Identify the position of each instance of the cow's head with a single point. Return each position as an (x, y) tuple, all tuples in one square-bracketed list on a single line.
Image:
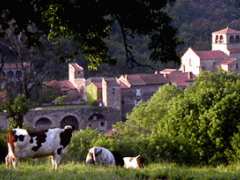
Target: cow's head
[(140, 161), (92, 155), (66, 135), (21, 137)]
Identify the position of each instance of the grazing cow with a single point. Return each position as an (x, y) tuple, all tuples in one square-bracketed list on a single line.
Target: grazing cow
[(100, 155), (51, 142), (134, 162)]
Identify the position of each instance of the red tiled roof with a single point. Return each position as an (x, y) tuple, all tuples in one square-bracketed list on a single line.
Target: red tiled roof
[(76, 66), (3, 96), (64, 85), (227, 30), (234, 50), (145, 79), (209, 55), (227, 61), (112, 81), (180, 78), (15, 65)]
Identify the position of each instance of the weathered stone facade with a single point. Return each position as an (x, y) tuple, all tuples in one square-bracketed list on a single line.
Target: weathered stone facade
[(80, 117), (3, 121)]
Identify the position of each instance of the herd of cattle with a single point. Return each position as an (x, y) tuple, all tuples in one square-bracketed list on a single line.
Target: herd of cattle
[(53, 142)]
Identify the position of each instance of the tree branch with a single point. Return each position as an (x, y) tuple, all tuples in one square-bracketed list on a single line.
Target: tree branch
[(131, 61)]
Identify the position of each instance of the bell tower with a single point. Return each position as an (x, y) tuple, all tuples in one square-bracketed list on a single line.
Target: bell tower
[(226, 40)]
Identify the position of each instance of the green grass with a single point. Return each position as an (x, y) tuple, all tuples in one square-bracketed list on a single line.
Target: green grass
[(68, 171)]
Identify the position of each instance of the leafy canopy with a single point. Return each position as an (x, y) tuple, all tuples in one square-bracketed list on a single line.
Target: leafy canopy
[(90, 22)]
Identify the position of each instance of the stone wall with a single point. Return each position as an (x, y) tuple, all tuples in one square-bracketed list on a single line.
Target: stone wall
[(3, 121), (80, 117)]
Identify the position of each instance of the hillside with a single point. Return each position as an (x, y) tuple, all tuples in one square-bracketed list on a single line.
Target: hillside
[(197, 19)]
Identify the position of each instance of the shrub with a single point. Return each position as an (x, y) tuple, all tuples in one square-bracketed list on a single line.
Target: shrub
[(3, 146), (80, 143)]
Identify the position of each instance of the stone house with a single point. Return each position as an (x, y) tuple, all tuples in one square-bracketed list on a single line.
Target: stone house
[(225, 54)]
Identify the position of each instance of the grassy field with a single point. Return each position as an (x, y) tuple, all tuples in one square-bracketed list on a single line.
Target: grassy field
[(78, 171)]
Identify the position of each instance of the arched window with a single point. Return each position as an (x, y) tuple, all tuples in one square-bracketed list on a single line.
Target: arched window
[(216, 39), (70, 120), (10, 74), (221, 38), (19, 74), (231, 39), (237, 39), (43, 123)]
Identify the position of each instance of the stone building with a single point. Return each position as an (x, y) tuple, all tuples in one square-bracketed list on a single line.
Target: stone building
[(225, 54)]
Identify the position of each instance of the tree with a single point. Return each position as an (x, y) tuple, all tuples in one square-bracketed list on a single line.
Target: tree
[(16, 108), (90, 22)]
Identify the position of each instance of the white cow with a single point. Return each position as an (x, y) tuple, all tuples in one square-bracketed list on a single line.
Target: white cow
[(101, 156), (51, 142), (134, 162)]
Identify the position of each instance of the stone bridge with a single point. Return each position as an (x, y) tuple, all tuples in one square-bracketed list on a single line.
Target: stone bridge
[(80, 117)]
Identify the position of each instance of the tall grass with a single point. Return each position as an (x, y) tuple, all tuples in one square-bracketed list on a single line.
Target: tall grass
[(42, 170)]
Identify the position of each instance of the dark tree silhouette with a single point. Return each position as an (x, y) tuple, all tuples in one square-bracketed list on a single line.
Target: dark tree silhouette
[(90, 22)]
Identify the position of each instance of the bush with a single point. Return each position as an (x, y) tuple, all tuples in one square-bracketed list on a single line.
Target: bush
[(80, 143), (3, 146)]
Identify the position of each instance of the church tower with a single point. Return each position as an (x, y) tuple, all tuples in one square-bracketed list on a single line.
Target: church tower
[(226, 40)]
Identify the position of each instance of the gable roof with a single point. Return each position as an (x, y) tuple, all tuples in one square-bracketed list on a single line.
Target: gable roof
[(210, 55), (227, 30), (143, 79)]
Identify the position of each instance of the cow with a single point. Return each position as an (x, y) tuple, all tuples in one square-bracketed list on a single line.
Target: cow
[(100, 156), (23, 144), (134, 162)]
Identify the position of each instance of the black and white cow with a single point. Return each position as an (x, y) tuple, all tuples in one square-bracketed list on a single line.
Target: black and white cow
[(51, 142), (100, 155)]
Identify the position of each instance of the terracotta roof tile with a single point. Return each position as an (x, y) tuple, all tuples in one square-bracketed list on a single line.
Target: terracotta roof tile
[(15, 65), (227, 30), (144, 79), (234, 50), (227, 61), (179, 78), (209, 55)]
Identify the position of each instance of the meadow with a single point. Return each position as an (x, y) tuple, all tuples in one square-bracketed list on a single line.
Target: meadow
[(70, 170)]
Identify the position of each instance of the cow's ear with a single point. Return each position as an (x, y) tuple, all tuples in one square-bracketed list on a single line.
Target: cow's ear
[(98, 151)]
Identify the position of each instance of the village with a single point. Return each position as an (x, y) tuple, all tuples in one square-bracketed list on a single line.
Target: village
[(111, 98)]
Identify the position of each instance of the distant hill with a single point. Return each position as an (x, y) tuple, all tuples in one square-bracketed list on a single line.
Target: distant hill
[(197, 19)]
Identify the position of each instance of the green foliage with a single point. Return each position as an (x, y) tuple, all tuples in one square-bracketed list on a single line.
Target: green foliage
[(206, 115), (58, 19), (196, 20), (16, 109), (80, 143), (200, 124), (3, 146), (92, 94)]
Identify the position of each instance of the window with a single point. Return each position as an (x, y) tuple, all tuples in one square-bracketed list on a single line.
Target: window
[(113, 90), (102, 123), (231, 39), (10, 74), (236, 65), (216, 39), (18, 74), (237, 38), (138, 92), (221, 39)]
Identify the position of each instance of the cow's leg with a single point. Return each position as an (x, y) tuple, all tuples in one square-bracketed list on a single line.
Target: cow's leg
[(7, 161), (56, 160), (14, 162)]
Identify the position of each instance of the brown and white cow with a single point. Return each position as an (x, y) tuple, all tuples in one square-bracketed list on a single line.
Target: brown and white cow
[(134, 162), (51, 142), (100, 156)]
